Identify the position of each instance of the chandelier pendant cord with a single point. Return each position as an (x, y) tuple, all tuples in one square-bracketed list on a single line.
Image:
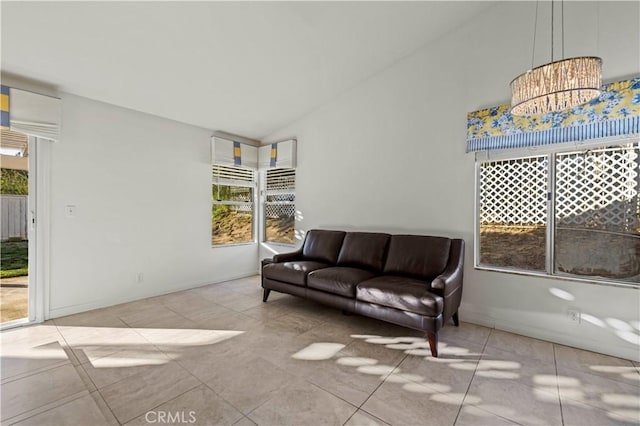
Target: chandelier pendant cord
[(562, 26), (535, 31), (552, 37)]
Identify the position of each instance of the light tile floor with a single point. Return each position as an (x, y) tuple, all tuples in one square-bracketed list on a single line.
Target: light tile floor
[(218, 355)]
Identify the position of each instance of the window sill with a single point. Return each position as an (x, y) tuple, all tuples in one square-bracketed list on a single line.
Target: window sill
[(233, 245), (272, 243), (595, 281)]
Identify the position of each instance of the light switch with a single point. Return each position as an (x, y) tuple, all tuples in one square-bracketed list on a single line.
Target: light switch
[(70, 211)]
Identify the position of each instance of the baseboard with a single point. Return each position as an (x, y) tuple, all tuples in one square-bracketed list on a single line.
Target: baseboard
[(468, 315), (76, 309), (496, 319)]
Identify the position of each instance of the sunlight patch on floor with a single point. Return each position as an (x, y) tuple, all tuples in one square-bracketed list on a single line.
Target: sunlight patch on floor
[(508, 375), (356, 361), (134, 360), (625, 415), (186, 337), (376, 370), (48, 351), (318, 351)]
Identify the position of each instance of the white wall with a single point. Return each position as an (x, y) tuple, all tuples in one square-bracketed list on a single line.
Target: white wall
[(390, 155), (142, 191)]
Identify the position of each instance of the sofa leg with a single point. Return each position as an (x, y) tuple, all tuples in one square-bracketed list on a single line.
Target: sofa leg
[(433, 344), (456, 320), (265, 295)]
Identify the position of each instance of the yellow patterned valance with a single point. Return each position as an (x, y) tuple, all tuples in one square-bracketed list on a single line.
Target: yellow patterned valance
[(616, 112)]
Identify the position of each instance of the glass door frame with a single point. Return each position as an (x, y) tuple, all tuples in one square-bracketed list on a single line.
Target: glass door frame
[(38, 225)]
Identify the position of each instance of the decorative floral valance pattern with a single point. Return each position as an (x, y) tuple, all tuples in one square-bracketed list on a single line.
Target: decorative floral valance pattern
[(616, 112)]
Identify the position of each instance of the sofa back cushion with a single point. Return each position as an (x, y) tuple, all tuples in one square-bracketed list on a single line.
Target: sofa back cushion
[(322, 246), (365, 250), (417, 256)]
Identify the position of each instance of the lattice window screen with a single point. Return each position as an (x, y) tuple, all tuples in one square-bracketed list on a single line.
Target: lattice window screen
[(514, 192), (280, 194), (599, 188)]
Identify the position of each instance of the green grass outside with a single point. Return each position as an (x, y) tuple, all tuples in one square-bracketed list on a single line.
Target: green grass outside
[(14, 258), (14, 273)]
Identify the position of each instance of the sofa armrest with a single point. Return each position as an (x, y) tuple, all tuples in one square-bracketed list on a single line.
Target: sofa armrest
[(288, 257), (451, 278)]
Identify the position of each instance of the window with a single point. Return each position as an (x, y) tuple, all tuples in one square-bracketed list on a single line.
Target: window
[(565, 213), (279, 206), (513, 213), (232, 210)]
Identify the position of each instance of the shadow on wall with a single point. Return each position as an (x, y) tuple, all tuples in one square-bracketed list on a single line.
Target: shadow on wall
[(627, 331)]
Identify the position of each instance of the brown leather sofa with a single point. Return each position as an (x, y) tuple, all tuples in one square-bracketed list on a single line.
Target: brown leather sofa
[(410, 280)]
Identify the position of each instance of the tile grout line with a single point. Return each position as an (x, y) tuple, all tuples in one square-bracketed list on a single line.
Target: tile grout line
[(486, 344), (574, 369), (615, 378), (170, 360), (369, 414), (105, 404), (358, 408), (21, 417), (35, 371), (228, 402), (6, 380), (156, 406), (381, 382), (474, 374), (80, 364), (99, 393), (329, 392), (555, 364), (66, 344), (208, 387), (265, 402), (197, 378), (332, 394), (179, 366), (88, 376), (472, 377)]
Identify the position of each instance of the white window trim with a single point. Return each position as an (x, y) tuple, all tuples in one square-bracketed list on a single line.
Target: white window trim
[(549, 151), (244, 184), (263, 203)]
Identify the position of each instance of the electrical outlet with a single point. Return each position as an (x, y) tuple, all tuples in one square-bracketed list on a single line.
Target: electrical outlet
[(70, 211), (139, 277), (574, 315)]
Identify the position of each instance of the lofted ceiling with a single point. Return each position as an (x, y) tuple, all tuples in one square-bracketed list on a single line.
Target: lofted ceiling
[(247, 68)]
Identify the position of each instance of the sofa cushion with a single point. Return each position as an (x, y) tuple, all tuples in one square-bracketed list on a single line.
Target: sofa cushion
[(338, 280), (291, 272), (364, 250), (323, 246), (417, 256), (402, 293)]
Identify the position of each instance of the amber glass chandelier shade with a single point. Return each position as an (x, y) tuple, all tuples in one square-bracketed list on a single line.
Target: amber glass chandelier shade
[(556, 86)]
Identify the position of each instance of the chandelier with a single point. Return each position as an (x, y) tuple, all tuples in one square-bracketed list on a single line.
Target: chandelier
[(558, 85)]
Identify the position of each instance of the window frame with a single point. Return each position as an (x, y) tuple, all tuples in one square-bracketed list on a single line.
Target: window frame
[(263, 207), (253, 184), (550, 152)]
